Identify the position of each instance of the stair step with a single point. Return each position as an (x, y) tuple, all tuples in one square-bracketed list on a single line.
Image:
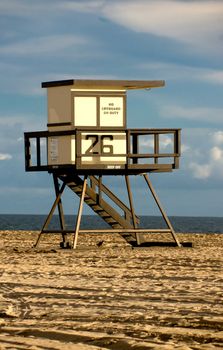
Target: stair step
[(89, 202), (87, 198), (116, 226), (103, 213), (110, 220), (77, 191), (96, 207)]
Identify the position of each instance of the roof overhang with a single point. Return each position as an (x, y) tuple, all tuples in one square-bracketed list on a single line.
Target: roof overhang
[(106, 84)]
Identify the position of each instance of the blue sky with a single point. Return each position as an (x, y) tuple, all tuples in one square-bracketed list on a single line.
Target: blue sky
[(178, 41)]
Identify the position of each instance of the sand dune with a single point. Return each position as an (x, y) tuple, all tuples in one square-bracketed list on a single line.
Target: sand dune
[(112, 296)]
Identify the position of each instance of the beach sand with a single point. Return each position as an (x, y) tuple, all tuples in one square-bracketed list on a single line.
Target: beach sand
[(112, 296)]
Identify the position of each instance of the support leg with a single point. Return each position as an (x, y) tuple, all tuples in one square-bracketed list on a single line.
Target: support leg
[(49, 217), (60, 210), (165, 217), (132, 207), (78, 222)]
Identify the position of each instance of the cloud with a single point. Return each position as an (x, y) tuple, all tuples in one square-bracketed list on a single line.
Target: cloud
[(10, 122), (34, 60), (26, 9), (12, 129), (91, 6), (212, 169), (43, 45), (165, 143), (26, 76), (185, 148), (200, 171), (195, 23), (214, 76), (5, 156), (179, 72), (204, 114), (216, 154), (205, 158), (218, 137), (70, 45)]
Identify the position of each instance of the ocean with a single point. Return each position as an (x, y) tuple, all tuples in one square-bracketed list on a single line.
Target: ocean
[(180, 223)]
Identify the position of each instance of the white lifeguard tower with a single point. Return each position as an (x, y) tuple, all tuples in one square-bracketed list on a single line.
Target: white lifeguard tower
[(87, 138)]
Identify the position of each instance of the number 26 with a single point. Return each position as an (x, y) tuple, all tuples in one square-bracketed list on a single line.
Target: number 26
[(98, 141)]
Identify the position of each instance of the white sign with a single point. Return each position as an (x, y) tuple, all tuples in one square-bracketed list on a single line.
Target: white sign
[(53, 148), (111, 111), (103, 148)]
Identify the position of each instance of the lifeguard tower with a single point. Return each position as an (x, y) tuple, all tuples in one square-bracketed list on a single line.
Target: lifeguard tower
[(87, 138)]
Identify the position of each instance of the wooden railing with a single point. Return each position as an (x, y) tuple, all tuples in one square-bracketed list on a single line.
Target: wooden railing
[(146, 150)]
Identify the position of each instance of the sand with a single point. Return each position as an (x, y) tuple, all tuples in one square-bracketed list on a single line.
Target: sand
[(112, 296)]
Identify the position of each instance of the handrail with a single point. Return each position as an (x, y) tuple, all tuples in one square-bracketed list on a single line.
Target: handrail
[(113, 197), (132, 154)]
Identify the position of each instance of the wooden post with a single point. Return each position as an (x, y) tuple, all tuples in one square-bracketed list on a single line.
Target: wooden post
[(156, 148), (135, 147), (49, 217), (161, 209), (38, 153), (132, 207), (78, 222), (60, 208)]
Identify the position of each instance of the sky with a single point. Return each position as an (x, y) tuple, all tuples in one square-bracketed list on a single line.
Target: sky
[(178, 41)]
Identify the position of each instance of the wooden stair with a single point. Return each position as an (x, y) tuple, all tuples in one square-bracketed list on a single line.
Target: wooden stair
[(95, 201)]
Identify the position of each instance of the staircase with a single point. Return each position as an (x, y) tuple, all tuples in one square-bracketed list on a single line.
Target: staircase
[(94, 200)]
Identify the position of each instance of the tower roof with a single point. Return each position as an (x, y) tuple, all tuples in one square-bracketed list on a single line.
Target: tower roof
[(106, 84)]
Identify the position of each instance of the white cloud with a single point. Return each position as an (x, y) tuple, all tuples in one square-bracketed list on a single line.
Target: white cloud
[(25, 122), (208, 114), (166, 141), (216, 154), (28, 76), (35, 9), (217, 137), (145, 142), (12, 128), (205, 159), (148, 142), (197, 23), (18, 7), (214, 76), (185, 148), (91, 6), (12, 7), (5, 156), (200, 171), (43, 45), (173, 72), (27, 79)]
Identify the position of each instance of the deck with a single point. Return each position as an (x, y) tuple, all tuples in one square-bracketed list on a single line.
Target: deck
[(146, 150)]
